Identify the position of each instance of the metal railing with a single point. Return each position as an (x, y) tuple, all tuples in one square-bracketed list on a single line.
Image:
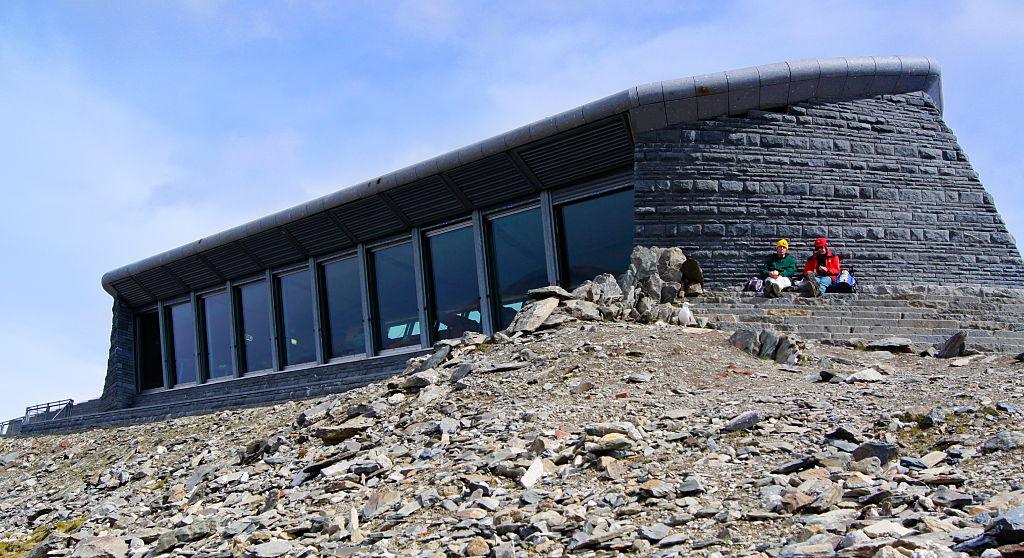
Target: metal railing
[(49, 411), (10, 427)]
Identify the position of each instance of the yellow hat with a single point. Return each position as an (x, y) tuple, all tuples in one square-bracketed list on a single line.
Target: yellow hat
[(784, 243)]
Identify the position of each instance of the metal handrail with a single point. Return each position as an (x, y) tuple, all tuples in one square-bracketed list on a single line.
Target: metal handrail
[(10, 427), (49, 411)]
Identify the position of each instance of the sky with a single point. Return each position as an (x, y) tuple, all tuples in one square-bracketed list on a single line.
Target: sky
[(131, 127)]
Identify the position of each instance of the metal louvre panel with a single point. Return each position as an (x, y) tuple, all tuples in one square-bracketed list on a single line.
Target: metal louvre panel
[(369, 218), (581, 153), (491, 180), (231, 261), (318, 234), (595, 186), (132, 293), (272, 247), (193, 272), (160, 283), (426, 200)]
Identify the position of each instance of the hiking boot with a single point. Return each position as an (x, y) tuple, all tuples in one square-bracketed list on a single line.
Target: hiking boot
[(772, 290), (812, 283)]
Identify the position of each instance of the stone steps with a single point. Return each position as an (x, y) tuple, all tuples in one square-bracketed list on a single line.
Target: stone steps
[(993, 318)]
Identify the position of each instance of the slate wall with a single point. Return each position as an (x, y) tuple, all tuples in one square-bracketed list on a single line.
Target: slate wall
[(884, 179), (119, 385)]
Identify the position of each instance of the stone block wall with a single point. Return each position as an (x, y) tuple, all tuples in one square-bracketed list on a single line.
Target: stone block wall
[(883, 178), (119, 385)]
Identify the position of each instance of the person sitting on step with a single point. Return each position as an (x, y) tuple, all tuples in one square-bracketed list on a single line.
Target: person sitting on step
[(778, 270), (822, 269)]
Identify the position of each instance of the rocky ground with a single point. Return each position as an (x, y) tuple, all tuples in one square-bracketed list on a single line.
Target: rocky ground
[(588, 438)]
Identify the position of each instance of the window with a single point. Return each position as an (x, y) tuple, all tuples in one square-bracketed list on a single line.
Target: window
[(297, 336), (151, 369), (217, 322), (256, 337), (456, 300), (398, 323), (518, 261), (344, 308), (181, 323), (597, 236)]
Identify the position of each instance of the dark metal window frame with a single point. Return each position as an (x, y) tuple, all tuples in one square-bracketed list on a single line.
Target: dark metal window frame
[(323, 311), (279, 362), (548, 201), (167, 342), (428, 272), (416, 238), (202, 346), (557, 228)]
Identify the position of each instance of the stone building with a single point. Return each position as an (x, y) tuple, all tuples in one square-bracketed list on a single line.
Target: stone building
[(340, 291)]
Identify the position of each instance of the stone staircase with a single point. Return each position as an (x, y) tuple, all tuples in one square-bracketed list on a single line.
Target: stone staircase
[(993, 317)]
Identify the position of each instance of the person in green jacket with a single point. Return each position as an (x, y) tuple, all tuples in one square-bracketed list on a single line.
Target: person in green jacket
[(778, 270)]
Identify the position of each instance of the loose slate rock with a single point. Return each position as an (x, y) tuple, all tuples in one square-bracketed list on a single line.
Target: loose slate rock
[(1004, 441), (952, 347), (743, 421), (884, 452), (892, 344)]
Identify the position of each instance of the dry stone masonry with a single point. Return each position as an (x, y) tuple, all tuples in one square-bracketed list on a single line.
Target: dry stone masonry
[(883, 178)]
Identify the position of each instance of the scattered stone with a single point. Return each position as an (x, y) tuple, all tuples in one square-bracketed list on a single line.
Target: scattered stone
[(1004, 441), (892, 345), (952, 347), (882, 451), (743, 421)]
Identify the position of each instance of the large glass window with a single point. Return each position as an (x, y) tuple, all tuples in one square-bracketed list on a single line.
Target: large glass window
[(344, 308), (456, 291), (217, 319), (398, 323), (597, 236), (151, 370), (518, 260), (182, 325), (256, 337), (297, 336)]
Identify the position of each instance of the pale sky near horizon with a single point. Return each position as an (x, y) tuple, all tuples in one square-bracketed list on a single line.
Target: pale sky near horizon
[(129, 128)]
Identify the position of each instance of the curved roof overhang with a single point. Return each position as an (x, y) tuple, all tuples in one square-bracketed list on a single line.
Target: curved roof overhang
[(574, 145)]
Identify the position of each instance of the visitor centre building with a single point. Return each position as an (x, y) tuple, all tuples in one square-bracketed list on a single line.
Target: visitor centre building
[(342, 290)]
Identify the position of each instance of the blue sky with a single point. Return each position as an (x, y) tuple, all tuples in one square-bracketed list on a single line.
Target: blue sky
[(128, 128)]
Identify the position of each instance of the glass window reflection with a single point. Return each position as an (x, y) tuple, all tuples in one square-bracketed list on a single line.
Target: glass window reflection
[(456, 291), (344, 308), (398, 322), (256, 336), (297, 335), (150, 360), (518, 260), (217, 319), (597, 236), (181, 323)]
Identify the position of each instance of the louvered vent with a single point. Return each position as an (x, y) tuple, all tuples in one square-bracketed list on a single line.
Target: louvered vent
[(426, 200), (272, 247), (369, 218), (318, 234), (131, 292), (491, 180), (194, 272), (160, 283), (581, 153), (232, 261)]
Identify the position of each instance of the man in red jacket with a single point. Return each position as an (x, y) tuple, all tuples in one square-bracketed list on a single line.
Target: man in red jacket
[(822, 268)]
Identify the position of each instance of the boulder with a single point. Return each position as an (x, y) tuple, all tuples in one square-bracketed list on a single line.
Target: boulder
[(952, 347), (669, 263), (645, 261), (531, 316)]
